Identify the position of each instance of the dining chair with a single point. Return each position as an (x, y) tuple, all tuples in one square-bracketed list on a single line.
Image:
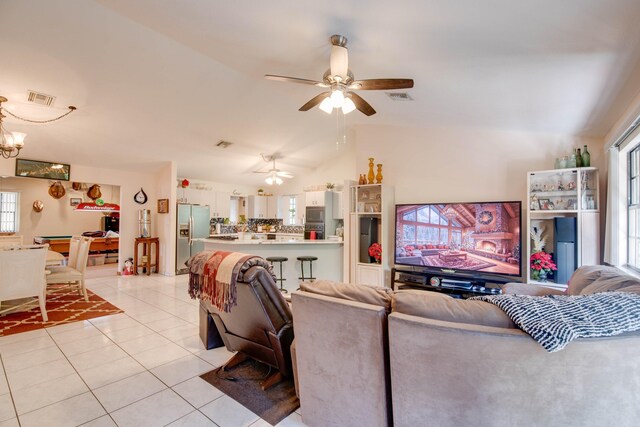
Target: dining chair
[(23, 275), (74, 245), (73, 274)]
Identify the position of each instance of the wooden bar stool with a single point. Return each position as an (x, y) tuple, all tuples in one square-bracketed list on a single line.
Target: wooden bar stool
[(309, 259), (280, 260), (147, 246)]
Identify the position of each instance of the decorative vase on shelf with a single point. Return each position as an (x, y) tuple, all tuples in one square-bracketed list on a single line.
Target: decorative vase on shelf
[(535, 274), (572, 161), (371, 175), (578, 158), (542, 276), (586, 158), (379, 174)]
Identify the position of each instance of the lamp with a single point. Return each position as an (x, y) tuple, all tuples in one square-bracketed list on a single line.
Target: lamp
[(12, 142)]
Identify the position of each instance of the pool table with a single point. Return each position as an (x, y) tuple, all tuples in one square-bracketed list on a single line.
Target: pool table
[(61, 243)]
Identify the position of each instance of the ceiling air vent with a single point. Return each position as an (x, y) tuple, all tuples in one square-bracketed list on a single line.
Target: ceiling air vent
[(399, 96), (40, 98), (223, 144)]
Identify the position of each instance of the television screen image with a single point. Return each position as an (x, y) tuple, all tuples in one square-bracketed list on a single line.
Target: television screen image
[(464, 237)]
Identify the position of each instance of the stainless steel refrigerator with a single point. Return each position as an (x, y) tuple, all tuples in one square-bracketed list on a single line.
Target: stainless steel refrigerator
[(193, 223)]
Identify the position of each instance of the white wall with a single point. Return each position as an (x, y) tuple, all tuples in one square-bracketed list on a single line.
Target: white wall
[(150, 177), (58, 218), (460, 165), (166, 223)]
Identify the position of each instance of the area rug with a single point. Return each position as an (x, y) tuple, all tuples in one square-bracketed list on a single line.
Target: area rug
[(242, 383), (464, 264), (64, 305)]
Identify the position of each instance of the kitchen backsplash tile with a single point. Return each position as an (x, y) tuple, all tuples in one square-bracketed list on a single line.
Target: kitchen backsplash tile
[(252, 225)]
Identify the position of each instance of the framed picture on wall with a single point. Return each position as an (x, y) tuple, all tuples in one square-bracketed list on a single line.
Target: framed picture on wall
[(75, 201), (45, 170), (163, 205)]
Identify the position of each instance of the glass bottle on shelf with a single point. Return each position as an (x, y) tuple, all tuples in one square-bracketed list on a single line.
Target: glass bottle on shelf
[(572, 161), (578, 158), (586, 157)]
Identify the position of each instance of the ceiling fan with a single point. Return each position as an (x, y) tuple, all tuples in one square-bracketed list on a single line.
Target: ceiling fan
[(275, 175), (341, 83)]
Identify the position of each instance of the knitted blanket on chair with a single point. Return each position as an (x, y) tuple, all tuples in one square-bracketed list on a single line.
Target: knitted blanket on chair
[(213, 276)]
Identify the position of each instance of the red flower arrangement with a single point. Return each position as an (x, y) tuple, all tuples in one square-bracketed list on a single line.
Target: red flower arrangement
[(375, 251), (541, 262)]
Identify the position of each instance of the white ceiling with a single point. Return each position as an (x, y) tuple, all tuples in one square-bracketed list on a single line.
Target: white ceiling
[(155, 80)]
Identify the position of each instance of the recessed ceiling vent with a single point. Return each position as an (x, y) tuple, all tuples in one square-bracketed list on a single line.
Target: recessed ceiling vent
[(40, 98), (399, 96), (223, 144)]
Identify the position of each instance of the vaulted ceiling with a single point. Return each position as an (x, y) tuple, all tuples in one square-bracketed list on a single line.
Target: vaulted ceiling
[(155, 80)]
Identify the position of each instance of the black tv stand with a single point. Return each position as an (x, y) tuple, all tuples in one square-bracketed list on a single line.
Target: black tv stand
[(455, 285)]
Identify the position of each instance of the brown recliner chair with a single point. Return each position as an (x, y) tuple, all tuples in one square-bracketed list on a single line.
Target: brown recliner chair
[(260, 326)]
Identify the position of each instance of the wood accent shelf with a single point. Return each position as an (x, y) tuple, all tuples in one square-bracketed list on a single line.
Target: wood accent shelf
[(145, 260)]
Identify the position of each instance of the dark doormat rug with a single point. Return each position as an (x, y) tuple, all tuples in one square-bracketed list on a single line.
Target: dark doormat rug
[(242, 383)]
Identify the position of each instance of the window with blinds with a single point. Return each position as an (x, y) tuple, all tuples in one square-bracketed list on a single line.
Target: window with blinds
[(9, 212), (633, 209)]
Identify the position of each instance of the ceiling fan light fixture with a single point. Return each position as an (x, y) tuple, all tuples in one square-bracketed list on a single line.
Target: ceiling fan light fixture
[(337, 98), (348, 106), (326, 105)]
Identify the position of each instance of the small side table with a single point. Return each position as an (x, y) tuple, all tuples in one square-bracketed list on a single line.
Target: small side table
[(147, 244)]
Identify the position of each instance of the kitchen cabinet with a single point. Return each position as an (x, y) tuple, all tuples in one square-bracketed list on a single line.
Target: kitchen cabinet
[(317, 198), (262, 207), (220, 204)]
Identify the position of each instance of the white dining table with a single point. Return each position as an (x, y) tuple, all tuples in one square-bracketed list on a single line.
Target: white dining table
[(54, 258)]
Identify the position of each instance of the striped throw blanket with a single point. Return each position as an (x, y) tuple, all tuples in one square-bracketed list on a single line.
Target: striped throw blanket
[(213, 276), (555, 320)]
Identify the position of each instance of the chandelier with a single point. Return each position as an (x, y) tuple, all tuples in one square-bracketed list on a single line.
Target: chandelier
[(450, 213), (12, 142)]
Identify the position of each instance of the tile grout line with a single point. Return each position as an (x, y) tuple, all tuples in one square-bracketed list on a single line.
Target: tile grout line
[(4, 370)]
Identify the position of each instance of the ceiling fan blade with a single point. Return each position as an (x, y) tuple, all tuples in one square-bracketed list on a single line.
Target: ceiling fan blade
[(314, 101), (284, 174), (382, 84), (362, 105), (260, 171), (295, 80), (339, 61)]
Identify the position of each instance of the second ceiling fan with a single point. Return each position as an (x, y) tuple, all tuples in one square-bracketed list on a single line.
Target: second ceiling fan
[(341, 83)]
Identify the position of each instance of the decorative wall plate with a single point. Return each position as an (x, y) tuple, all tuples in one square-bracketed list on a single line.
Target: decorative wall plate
[(141, 197)]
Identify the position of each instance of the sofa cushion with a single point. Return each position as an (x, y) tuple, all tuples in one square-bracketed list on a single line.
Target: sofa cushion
[(350, 291), (437, 306), (590, 279)]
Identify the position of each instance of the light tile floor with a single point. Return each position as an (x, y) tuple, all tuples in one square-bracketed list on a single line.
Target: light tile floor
[(137, 368)]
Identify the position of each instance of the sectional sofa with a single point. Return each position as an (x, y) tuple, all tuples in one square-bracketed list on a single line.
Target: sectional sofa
[(368, 356)]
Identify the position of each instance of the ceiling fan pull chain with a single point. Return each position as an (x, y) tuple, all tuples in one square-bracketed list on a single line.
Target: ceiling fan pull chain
[(344, 128)]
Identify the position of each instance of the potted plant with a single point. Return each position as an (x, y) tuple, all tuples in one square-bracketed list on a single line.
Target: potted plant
[(375, 251), (541, 265)]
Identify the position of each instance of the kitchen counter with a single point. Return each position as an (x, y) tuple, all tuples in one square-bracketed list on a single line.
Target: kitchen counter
[(329, 253)]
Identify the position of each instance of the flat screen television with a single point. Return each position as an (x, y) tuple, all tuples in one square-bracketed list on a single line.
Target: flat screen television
[(471, 239)]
